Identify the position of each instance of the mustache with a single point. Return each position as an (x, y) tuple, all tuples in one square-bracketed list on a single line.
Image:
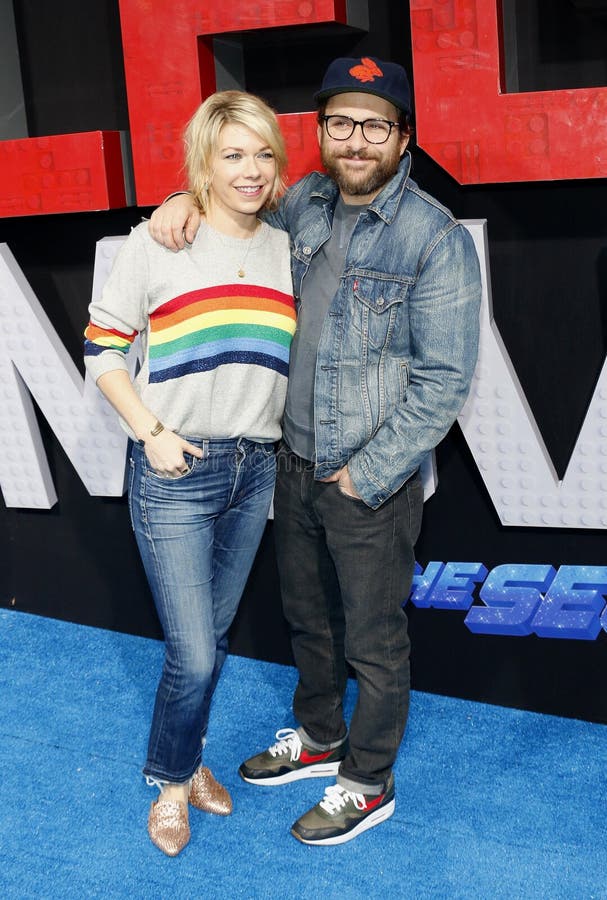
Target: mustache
[(357, 154)]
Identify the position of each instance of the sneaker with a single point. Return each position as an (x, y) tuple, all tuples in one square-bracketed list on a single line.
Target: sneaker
[(289, 760), (342, 815)]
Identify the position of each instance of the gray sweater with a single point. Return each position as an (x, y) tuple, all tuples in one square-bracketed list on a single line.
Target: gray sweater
[(215, 345)]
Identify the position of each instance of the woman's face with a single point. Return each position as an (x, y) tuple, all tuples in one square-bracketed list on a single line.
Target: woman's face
[(244, 172)]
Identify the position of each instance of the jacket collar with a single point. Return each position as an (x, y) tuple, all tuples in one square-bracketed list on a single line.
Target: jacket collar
[(386, 204)]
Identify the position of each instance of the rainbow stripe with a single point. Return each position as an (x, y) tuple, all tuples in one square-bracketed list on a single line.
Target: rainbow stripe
[(207, 328), (235, 323), (100, 339)]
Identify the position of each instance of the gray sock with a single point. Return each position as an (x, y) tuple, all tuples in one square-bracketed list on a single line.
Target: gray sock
[(306, 739)]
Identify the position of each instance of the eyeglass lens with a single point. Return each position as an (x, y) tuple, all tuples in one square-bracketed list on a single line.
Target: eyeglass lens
[(340, 128)]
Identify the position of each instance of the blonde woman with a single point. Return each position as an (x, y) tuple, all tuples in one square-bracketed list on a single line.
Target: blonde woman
[(204, 413)]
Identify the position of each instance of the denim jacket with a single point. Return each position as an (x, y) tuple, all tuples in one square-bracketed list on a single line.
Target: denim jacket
[(398, 346)]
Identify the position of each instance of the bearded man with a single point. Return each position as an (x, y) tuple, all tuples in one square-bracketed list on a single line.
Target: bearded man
[(388, 290)]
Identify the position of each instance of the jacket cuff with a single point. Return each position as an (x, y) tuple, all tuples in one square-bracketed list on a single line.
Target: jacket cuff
[(371, 492)]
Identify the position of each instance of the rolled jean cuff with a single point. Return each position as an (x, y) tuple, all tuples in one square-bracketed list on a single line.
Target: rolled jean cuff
[(306, 739), (162, 783)]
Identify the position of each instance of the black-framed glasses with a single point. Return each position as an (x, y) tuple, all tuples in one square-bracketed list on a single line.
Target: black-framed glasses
[(375, 131)]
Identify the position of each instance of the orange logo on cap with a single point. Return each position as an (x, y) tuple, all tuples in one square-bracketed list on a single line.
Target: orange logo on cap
[(368, 71)]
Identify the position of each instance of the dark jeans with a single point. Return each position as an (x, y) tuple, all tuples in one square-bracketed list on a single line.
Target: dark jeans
[(345, 571)]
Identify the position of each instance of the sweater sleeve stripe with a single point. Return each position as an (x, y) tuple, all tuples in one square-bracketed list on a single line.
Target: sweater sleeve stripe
[(99, 339)]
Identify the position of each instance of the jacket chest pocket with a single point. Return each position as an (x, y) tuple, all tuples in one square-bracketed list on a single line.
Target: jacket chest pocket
[(376, 305)]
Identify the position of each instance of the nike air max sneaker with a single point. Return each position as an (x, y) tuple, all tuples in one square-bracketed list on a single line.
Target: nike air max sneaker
[(342, 815), (289, 760)]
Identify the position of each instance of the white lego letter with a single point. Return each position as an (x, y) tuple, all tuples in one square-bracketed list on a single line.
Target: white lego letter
[(33, 361)]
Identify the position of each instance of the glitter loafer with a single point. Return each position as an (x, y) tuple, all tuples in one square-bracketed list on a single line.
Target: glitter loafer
[(208, 795), (168, 826)]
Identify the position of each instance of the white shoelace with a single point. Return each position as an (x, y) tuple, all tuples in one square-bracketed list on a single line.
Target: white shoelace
[(336, 797), (288, 742)]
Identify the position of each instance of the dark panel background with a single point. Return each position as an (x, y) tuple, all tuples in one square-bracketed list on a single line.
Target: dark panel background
[(548, 254)]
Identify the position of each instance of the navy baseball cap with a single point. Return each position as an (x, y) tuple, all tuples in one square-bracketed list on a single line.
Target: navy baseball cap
[(367, 75)]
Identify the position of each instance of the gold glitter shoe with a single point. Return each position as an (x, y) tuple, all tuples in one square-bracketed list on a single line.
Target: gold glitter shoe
[(168, 826), (208, 795)]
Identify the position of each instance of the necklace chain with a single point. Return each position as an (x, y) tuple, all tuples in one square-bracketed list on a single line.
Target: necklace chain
[(241, 272)]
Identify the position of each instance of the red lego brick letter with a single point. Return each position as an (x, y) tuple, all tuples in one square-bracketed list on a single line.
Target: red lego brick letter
[(476, 132), (61, 173), (169, 66)]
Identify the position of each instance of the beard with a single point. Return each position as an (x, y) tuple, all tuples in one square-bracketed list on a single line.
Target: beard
[(360, 184)]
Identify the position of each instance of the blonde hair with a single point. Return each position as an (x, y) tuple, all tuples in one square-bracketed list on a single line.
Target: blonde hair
[(202, 139)]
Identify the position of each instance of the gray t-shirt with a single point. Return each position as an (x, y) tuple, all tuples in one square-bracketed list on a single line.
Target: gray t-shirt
[(319, 287)]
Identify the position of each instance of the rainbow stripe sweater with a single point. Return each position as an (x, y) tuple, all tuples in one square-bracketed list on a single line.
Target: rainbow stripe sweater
[(215, 347)]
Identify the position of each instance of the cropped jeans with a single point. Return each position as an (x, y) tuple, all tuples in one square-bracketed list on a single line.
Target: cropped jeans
[(197, 535), (345, 570)]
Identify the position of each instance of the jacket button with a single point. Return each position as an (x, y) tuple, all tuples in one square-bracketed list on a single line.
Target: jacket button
[(380, 301), (307, 250)]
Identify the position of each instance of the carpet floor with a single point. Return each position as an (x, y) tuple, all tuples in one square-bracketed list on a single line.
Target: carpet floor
[(491, 802)]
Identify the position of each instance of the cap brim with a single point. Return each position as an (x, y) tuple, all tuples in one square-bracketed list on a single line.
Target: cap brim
[(332, 92)]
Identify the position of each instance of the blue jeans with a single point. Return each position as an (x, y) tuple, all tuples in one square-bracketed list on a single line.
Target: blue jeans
[(197, 535), (345, 570)]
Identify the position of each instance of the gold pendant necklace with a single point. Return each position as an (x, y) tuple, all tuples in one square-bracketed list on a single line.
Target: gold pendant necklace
[(241, 272)]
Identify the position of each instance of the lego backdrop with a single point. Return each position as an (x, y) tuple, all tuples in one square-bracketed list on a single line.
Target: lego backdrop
[(508, 603)]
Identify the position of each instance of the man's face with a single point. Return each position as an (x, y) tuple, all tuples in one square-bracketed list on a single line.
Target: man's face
[(361, 168)]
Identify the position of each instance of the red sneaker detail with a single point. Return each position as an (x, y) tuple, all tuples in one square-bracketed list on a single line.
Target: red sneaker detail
[(310, 758), (371, 804)]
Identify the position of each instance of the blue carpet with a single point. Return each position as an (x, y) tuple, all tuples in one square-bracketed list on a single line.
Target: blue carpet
[(491, 802)]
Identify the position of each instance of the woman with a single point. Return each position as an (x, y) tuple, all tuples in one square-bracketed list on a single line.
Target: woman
[(204, 413)]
